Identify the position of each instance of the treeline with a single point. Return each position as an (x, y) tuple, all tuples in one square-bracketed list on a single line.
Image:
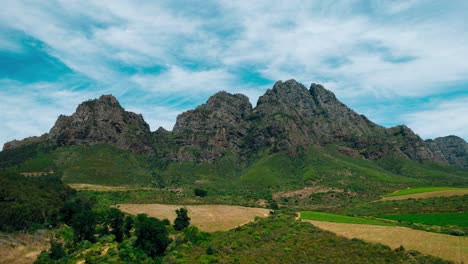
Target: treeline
[(29, 201)]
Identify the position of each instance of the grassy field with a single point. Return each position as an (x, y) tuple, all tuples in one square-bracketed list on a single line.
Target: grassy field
[(444, 246), (209, 218), (319, 216), (422, 190), (425, 195), (456, 219)]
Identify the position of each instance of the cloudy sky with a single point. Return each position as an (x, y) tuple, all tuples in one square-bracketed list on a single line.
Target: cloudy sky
[(397, 62)]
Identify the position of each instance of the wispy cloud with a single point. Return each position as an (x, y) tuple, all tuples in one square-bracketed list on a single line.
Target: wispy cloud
[(446, 118), (169, 56)]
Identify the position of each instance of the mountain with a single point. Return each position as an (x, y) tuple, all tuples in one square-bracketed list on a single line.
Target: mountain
[(451, 148), (288, 117), (98, 121)]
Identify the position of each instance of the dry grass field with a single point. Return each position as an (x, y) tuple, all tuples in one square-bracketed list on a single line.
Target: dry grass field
[(22, 248), (444, 246), (209, 218), (426, 195)]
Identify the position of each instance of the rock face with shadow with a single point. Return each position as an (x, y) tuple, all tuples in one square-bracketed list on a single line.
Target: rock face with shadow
[(102, 121)]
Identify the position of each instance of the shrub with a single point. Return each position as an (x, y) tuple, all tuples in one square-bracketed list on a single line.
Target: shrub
[(200, 192), (456, 232)]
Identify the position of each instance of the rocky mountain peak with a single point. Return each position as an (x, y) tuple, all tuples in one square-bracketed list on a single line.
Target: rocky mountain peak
[(212, 128), (102, 121)]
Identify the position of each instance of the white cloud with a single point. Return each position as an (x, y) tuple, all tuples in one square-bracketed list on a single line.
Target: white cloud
[(177, 79), (34, 111), (446, 118)]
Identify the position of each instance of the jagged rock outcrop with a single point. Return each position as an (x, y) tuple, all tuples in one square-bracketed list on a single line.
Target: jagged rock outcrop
[(452, 148), (291, 115), (103, 121), (403, 139), (27, 141), (213, 128)]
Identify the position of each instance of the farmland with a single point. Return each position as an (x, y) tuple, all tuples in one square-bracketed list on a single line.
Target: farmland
[(456, 219), (443, 246), (319, 216), (424, 192), (209, 218)]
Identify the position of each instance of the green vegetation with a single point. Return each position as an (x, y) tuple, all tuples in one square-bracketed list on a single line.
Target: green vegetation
[(422, 190), (280, 239), (29, 201), (200, 192), (182, 220), (21, 154), (453, 204), (87, 225), (453, 219), (326, 217), (234, 180), (151, 235)]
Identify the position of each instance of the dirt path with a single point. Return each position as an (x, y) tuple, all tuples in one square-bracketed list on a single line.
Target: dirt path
[(209, 218), (443, 246), (426, 195)]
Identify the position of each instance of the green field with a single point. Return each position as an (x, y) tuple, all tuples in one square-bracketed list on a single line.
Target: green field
[(456, 219), (326, 217), (422, 190)]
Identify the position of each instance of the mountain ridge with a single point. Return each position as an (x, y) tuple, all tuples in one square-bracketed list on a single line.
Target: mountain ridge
[(287, 117)]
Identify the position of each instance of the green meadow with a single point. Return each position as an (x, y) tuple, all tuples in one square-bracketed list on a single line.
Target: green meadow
[(455, 219), (422, 190), (326, 217)]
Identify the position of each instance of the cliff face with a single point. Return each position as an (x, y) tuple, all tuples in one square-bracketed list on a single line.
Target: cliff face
[(102, 121), (451, 148), (213, 128)]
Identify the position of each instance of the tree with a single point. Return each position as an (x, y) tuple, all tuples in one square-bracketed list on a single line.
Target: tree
[(152, 235), (56, 250), (182, 220), (116, 222), (83, 225), (128, 225), (200, 192)]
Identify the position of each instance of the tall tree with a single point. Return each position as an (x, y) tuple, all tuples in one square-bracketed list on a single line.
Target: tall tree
[(152, 235), (182, 220), (116, 222)]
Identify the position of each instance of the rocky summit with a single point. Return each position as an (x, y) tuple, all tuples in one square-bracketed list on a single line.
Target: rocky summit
[(287, 117), (102, 121), (452, 149)]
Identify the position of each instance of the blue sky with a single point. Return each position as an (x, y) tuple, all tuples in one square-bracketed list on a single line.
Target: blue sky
[(397, 62)]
